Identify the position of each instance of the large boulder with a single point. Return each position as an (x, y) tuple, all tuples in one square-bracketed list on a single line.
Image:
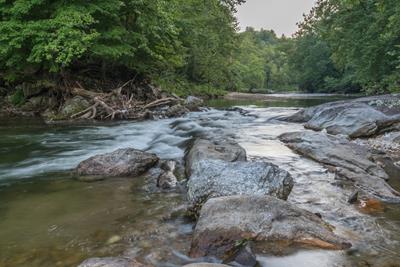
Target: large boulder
[(126, 162), (228, 223), (111, 262), (361, 117), (348, 160), (216, 178), (214, 148)]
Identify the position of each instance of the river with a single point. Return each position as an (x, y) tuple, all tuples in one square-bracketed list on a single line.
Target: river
[(48, 218)]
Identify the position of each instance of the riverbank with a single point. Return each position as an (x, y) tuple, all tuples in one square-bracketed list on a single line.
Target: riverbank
[(131, 100)]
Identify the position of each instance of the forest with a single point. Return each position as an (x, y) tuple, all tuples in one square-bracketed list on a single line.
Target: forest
[(166, 133), (195, 47)]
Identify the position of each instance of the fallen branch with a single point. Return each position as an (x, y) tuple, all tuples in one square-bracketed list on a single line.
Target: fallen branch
[(160, 102)]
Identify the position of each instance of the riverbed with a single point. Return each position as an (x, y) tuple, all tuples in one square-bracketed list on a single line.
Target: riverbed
[(48, 218)]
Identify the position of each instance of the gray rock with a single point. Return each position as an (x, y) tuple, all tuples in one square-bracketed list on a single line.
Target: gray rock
[(74, 105), (361, 117), (167, 178), (227, 223), (176, 111), (193, 103), (216, 148), (349, 160), (206, 265), (216, 178), (110, 262), (127, 162)]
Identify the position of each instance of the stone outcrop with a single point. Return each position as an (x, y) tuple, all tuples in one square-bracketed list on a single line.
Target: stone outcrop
[(228, 223), (127, 162), (214, 148), (361, 117), (216, 178), (348, 160)]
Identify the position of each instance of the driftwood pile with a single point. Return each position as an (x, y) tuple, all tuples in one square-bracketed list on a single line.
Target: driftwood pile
[(123, 102)]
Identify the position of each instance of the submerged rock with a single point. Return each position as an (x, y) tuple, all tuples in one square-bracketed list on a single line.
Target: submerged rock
[(356, 118), (111, 262), (167, 178), (348, 160), (127, 162), (216, 148), (216, 178), (228, 223)]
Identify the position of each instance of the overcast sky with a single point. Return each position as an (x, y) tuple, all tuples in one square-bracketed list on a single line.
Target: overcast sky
[(279, 15)]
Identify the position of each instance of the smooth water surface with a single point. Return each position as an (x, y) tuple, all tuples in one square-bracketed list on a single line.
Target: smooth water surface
[(49, 219)]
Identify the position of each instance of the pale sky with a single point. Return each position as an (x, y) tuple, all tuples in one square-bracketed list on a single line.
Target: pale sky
[(278, 15)]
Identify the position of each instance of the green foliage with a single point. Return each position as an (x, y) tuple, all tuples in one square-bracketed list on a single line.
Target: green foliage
[(193, 47), (261, 62), (50, 36), (191, 40), (182, 88), (364, 37), (17, 98)]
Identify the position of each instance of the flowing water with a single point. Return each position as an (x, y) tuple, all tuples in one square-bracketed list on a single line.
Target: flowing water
[(47, 218)]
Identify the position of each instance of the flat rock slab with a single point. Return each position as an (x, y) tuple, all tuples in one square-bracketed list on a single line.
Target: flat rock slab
[(349, 160), (111, 262), (215, 148), (127, 162), (227, 223), (216, 178), (362, 117)]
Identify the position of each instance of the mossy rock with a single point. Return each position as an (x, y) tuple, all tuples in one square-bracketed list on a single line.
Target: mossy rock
[(73, 106)]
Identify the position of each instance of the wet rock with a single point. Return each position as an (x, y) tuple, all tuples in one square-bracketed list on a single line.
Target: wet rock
[(348, 160), (215, 148), (176, 111), (353, 198), (244, 257), (73, 106), (127, 162), (167, 178), (227, 223), (111, 262), (193, 103), (356, 118), (216, 178)]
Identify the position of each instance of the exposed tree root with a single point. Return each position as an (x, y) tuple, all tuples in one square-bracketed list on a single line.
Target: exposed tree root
[(120, 103)]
